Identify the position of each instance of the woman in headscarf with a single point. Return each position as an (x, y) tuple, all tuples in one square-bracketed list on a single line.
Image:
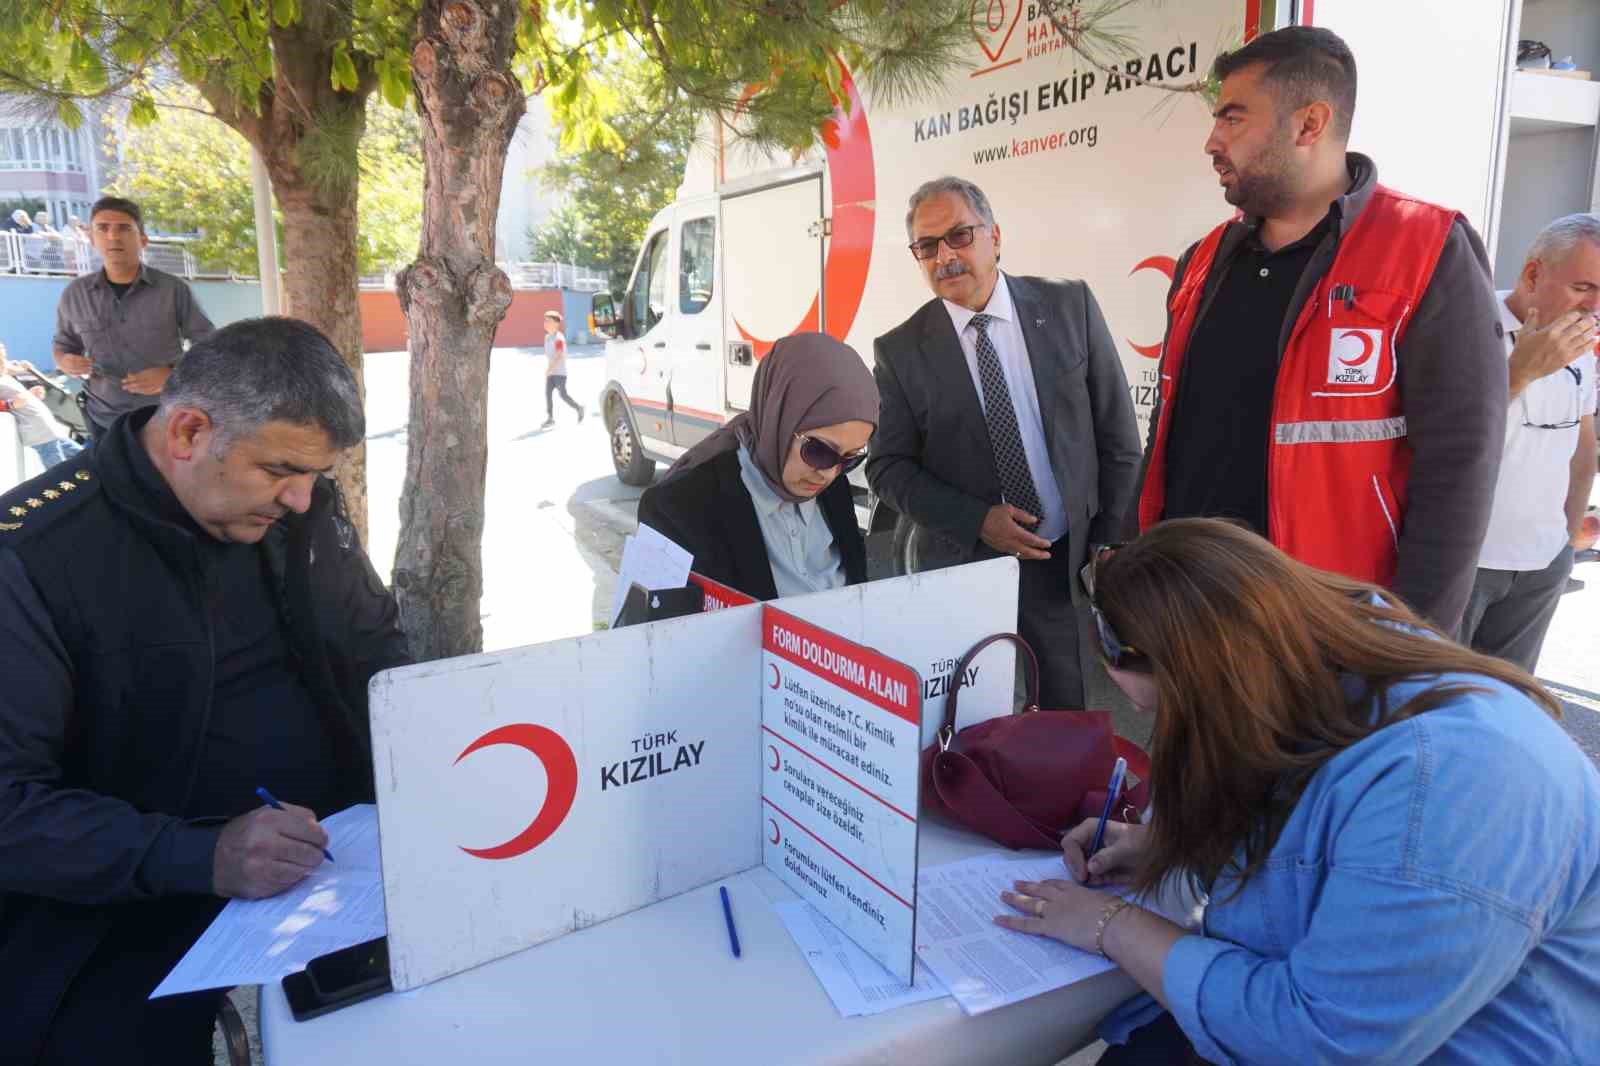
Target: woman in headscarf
[(760, 503)]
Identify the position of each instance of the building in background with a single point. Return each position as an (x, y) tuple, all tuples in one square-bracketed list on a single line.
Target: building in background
[(524, 202), (42, 160)]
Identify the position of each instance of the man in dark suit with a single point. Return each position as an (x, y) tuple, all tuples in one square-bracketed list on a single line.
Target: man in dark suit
[(1006, 426)]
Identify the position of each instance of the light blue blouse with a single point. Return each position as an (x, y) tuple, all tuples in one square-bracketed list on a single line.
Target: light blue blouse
[(1434, 897), (799, 543)]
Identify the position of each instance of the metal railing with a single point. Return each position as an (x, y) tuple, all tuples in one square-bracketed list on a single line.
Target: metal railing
[(526, 276), (61, 253)]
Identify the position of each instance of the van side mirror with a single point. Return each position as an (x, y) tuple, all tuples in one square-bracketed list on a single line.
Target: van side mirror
[(603, 316)]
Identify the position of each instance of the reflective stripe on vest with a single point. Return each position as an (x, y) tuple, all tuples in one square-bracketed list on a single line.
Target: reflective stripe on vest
[(1339, 432)]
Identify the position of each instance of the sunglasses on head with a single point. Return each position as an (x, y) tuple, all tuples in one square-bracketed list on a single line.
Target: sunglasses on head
[(928, 247), (1111, 646), (818, 454)]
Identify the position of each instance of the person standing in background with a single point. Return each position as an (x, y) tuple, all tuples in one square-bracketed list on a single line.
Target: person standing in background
[(555, 369), (1548, 466), (123, 327), (1332, 373), (1006, 426)]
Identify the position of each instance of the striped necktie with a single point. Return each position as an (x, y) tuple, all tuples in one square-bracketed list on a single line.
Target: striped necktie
[(1005, 439)]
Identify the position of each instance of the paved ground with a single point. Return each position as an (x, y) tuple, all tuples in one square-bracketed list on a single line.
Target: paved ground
[(557, 516)]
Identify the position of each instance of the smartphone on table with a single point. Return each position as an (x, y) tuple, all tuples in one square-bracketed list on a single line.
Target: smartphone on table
[(338, 979)]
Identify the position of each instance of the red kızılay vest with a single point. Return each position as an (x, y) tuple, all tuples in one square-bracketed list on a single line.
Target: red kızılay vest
[(1338, 458)]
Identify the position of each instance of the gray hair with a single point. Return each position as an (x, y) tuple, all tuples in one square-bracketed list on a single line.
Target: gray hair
[(948, 184), (265, 370), (1557, 240)]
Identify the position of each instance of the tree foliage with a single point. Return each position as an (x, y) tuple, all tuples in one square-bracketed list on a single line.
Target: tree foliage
[(295, 77), (614, 184), (157, 169), (774, 63)]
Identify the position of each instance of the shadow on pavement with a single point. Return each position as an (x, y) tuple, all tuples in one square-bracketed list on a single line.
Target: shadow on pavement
[(603, 513)]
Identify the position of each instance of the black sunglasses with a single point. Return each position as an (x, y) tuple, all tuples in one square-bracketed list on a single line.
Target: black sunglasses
[(1577, 406), (928, 247), (818, 454), (1111, 646)]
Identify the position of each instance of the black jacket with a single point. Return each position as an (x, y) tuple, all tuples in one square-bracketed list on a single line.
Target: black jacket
[(707, 511), (106, 694), (931, 456)]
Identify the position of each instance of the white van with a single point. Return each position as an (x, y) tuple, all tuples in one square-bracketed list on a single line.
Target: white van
[(1090, 176)]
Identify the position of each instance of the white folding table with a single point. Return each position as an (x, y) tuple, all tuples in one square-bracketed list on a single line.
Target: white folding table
[(660, 985)]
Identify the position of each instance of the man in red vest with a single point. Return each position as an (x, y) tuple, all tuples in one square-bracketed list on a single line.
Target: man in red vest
[(1333, 373)]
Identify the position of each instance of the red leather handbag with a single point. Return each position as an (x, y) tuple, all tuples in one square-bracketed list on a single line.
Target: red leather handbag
[(1025, 779)]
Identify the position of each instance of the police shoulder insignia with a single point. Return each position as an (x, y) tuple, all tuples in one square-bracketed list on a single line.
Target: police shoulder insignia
[(27, 506)]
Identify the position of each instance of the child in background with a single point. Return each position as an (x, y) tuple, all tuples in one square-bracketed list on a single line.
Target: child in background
[(555, 369), (36, 426)]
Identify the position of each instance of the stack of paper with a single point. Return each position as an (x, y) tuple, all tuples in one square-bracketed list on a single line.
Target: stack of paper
[(253, 942), (651, 560), (856, 982), (984, 965)]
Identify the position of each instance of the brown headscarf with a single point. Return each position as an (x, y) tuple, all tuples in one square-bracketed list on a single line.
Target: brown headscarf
[(807, 381)]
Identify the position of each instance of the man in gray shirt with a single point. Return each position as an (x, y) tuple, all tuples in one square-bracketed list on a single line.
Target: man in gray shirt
[(123, 326)]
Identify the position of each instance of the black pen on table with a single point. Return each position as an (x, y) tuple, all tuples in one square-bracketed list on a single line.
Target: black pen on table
[(271, 801), (727, 913)]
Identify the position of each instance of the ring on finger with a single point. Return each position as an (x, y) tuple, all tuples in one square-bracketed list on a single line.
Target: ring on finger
[(1038, 908)]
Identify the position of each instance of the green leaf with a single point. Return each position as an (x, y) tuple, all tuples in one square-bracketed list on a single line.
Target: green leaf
[(88, 69), (69, 114), (142, 112), (394, 81), (285, 12), (344, 69)]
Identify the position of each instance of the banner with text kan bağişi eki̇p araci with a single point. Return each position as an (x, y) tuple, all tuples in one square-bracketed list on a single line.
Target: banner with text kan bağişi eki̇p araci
[(840, 731)]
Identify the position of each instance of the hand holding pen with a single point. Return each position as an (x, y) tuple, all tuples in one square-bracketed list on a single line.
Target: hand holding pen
[(267, 850)]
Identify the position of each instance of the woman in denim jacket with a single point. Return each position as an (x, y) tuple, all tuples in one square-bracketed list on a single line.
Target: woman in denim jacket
[(1398, 844)]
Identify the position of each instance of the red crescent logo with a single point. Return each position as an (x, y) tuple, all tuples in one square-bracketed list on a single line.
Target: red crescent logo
[(1366, 347), (776, 762), (844, 277), (776, 677), (776, 836), (1168, 266), (561, 769)]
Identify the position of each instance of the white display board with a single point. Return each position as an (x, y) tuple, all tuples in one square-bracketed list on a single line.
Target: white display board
[(840, 726), (929, 621), (533, 792), (530, 793)]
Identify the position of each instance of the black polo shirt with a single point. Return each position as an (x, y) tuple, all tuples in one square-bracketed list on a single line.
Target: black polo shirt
[(1222, 420)]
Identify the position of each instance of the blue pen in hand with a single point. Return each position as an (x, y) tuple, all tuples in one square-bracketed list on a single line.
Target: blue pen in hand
[(727, 913), (1113, 790), (271, 801)]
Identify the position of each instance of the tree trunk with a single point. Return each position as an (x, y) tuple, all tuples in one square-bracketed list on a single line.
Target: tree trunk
[(319, 216), (319, 239), (454, 298)]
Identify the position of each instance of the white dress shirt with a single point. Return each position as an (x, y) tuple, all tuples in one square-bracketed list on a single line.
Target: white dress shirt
[(1528, 520), (1005, 332)]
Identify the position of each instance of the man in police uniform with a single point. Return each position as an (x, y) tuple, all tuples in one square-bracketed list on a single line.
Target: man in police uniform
[(186, 615)]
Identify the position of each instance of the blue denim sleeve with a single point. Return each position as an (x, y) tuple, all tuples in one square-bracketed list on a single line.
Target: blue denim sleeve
[(1387, 970)]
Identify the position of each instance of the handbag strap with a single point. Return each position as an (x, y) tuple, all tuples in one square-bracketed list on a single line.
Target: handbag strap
[(1031, 670)]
